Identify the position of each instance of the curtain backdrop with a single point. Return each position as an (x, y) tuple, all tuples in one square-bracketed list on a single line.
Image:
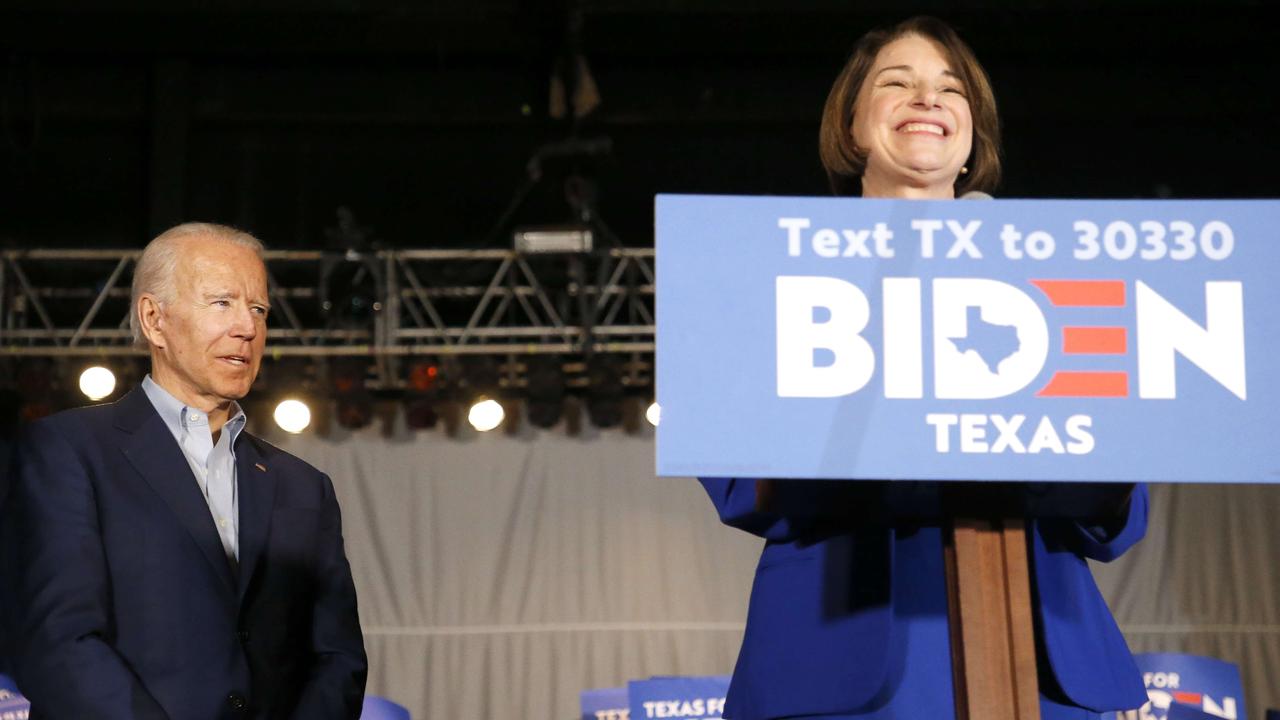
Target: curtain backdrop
[(498, 576)]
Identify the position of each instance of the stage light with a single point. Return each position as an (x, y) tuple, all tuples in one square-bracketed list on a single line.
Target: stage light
[(347, 376), (653, 414), (482, 374), (354, 413), (10, 412), (420, 415), (545, 388), (34, 381), (353, 404), (426, 385), (486, 414), (423, 376), (604, 382), (553, 239), (293, 416), (97, 382)]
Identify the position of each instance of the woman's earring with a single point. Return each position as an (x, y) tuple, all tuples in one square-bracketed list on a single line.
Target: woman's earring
[(964, 169)]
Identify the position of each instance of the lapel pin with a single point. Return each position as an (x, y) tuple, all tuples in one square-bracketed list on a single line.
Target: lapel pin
[(260, 466)]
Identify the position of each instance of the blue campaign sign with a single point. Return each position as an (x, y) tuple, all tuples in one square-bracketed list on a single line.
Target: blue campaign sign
[(680, 698), (604, 704), (379, 708), (13, 706), (1182, 685), (1057, 340)]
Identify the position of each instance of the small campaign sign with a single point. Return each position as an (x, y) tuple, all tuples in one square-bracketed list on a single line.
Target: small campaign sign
[(1041, 340), (604, 704), (380, 708), (13, 706), (1188, 686), (678, 698)]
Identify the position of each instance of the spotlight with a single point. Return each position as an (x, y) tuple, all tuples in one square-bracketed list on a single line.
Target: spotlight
[(293, 416), (355, 413), (553, 239), (545, 388), (486, 414), (482, 374), (545, 413), (97, 382), (354, 405), (10, 412), (348, 376), (420, 415), (654, 413), (424, 387), (35, 383), (423, 376), (604, 380)]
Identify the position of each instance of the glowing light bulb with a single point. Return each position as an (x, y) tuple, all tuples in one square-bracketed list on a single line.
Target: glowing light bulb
[(486, 414), (293, 416), (653, 414), (97, 382)]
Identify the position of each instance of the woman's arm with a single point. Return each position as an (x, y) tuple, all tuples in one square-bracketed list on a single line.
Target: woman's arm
[(787, 510)]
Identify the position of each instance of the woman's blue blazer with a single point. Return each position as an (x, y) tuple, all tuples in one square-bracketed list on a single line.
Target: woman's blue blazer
[(821, 609)]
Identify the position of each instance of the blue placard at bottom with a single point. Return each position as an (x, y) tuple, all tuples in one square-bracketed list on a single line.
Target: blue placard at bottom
[(604, 704), (1182, 687), (678, 698)]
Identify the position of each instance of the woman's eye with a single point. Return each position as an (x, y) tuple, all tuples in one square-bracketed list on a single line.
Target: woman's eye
[(955, 90)]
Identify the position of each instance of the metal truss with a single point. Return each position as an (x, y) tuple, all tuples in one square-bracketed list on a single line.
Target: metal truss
[(385, 304)]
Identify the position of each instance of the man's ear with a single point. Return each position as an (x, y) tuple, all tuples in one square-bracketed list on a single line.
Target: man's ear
[(151, 319)]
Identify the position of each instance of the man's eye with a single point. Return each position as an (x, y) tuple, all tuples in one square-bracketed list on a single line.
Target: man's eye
[(260, 310)]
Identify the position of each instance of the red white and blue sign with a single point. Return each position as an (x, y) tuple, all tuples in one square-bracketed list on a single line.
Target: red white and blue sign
[(604, 704), (1041, 340), (678, 698), (13, 706), (1188, 686)]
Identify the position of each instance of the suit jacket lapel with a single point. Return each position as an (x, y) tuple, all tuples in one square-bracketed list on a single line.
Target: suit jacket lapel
[(150, 448), (256, 485)]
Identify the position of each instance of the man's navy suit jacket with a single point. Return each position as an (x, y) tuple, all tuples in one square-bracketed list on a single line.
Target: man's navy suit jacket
[(818, 628), (121, 602)]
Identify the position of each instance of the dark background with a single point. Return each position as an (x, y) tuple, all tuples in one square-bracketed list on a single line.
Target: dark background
[(421, 116)]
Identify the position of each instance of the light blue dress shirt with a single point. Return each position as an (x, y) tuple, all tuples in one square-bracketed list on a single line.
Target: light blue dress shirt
[(214, 465)]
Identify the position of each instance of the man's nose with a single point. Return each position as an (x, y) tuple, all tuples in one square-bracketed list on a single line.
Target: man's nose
[(245, 325)]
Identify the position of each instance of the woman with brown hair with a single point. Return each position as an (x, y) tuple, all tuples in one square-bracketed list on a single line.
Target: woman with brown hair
[(848, 611), (911, 115)]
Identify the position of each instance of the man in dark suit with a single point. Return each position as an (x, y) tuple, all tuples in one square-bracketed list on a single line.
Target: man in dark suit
[(162, 563)]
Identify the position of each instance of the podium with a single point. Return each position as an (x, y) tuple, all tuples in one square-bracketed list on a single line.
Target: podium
[(993, 652), (993, 646), (787, 347)]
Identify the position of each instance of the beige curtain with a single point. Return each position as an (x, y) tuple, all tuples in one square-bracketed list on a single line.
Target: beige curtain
[(499, 576)]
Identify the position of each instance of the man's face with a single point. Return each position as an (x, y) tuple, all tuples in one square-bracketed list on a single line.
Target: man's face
[(212, 334)]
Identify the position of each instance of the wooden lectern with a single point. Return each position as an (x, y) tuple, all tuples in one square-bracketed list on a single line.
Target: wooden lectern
[(993, 645), (993, 651)]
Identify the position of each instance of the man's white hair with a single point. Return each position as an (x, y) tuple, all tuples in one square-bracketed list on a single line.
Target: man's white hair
[(159, 262)]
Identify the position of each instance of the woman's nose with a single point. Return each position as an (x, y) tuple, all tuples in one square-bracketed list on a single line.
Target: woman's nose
[(925, 96)]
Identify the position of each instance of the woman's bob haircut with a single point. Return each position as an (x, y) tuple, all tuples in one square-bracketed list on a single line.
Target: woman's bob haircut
[(845, 162)]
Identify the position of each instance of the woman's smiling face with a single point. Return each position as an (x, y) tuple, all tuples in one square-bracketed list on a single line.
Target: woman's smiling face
[(912, 119)]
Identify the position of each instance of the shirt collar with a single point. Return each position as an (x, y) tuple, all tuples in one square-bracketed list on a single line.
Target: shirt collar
[(174, 412)]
